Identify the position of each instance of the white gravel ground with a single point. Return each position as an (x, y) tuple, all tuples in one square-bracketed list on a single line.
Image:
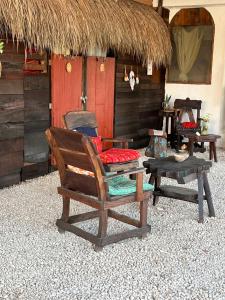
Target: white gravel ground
[(180, 259)]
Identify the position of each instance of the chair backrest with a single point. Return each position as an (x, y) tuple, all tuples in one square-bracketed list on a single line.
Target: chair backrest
[(187, 106), (75, 119), (74, 149)]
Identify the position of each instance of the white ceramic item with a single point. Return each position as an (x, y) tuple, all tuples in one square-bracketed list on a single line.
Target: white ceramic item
[(181, 156)]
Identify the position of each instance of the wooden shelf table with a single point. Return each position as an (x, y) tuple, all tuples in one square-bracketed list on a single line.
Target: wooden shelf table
[(183, 172)]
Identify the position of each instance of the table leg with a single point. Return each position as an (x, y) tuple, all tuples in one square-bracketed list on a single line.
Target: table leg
[(167, 125), (208, 196), (151, 179), (191, 147), (200, 198), (157, 185), (214, 151), (210, 151)]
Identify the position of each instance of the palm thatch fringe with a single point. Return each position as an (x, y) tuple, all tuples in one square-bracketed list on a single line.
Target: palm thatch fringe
[(80, 25)]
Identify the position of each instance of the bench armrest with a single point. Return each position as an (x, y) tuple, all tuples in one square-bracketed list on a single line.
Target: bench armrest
[(124, 142), (129, 172)]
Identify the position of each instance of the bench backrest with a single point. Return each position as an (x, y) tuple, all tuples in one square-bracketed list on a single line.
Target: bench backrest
[(74, 150), (187, 106), (75, 119)]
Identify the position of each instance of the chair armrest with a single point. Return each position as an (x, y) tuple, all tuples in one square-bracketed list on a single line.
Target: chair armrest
[(122, 141), (129, 172)]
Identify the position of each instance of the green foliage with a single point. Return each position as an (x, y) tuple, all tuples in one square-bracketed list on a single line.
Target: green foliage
[(1, 47), (167, 99)]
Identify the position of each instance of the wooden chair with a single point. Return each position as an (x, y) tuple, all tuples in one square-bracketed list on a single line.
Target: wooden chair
[(92, 187), (86, 119), (188, 107)]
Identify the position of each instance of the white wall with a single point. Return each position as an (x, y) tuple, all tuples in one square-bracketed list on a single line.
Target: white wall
[(213, 95)]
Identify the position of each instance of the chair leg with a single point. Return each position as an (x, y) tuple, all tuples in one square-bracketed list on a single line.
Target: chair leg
[(178, 142), (143, 215), (102, 229), (65, 212)]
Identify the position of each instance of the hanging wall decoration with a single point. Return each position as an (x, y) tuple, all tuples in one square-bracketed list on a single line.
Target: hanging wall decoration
[(132, 79), (126, 78), (137, 78), (68, 67), (1, 51)]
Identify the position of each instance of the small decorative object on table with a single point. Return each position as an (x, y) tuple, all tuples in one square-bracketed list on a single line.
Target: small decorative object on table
[(182, 155), (205, 124), (166, 102), (158, 144)]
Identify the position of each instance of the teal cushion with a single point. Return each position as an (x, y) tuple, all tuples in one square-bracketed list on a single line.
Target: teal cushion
[(121, 186)]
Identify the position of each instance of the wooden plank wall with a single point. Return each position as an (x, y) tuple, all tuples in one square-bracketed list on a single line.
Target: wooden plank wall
[(138, 110), (36, 121), (11, 114)]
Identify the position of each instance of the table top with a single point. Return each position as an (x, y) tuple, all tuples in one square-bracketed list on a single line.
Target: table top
[(203, 137), (168, 167)]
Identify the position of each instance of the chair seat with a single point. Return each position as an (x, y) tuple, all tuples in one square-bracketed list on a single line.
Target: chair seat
[(116, 155), (121, 186)]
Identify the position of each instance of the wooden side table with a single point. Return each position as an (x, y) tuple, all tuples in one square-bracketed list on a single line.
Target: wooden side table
[(169, 114), (191, 169), (208, 138)]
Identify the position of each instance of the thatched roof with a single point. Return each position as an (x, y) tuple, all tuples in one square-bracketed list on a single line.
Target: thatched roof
[(79, 25)]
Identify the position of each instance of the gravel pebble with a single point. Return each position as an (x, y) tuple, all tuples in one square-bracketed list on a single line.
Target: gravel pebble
[(180, 259)]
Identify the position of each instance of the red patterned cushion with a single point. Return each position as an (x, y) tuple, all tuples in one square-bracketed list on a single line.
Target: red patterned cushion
[(189, 125), (116, 155), (97, 141)]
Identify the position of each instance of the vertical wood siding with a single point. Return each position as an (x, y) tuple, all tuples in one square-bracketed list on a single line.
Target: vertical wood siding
[(100, 92), (138, 110), (66, 87)]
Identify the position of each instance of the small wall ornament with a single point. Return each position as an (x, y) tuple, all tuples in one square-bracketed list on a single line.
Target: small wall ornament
[(131, 78), (1, 51), (126, 78), (68, 67)]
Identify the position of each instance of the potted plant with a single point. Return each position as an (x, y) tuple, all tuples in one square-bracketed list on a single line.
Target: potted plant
[(1, 47), (166, 102), (205, 124)]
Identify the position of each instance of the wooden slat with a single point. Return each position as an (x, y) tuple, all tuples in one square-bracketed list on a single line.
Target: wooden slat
[(76, 159), (82, 183), (11, 130), (83, 217), (10, 163), (11, 108), (33, 170), (36, 105), (68, 139), (11, 146), (36, 83), (95, 203), (10, 179), (11, 87), (123, 218)]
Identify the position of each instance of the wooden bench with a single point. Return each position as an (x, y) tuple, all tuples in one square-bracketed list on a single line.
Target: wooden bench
[(90, 185)]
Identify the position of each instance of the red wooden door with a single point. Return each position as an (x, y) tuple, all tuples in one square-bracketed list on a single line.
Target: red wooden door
[(100, 92), (66, 87)]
